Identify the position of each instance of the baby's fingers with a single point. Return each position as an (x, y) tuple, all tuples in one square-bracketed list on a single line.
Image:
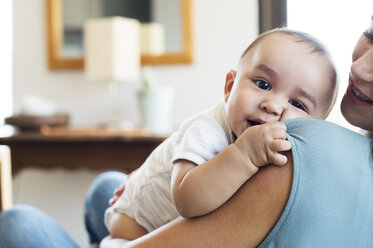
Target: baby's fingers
[(277, 146), (117, 193), (280, 145), (277, 130), (278, 159)]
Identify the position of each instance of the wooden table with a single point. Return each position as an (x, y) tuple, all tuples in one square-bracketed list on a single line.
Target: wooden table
[(93, 148)]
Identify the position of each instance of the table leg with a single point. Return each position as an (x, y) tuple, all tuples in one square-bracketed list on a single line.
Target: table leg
[(5, 179)]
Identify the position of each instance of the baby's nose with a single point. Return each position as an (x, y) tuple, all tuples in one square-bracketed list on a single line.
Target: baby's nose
[(273, 106)]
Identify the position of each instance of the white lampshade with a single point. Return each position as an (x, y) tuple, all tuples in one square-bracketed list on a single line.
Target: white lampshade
[(152, 38), (112, 49)]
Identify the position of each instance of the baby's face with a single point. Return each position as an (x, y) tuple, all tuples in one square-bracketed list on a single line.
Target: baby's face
[(279, 79)]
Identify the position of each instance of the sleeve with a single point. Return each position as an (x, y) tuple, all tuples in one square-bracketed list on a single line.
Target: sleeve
[(201, 141), (329, 162)]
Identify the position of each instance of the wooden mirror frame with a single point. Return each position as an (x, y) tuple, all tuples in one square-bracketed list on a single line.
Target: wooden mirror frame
[(55, 37)]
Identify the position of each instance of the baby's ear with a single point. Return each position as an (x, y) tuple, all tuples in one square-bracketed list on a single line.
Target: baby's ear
[(229, 81)]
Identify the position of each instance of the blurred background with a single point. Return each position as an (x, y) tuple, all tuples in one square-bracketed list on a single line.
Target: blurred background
[(184, 55)]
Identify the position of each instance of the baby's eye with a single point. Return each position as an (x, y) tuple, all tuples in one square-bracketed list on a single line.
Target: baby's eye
[(298, 105), (263, 84)]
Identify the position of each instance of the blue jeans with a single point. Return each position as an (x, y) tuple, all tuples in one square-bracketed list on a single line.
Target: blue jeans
[(26, 226)]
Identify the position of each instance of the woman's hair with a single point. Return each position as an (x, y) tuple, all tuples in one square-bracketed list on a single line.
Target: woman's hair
[(315, 44)]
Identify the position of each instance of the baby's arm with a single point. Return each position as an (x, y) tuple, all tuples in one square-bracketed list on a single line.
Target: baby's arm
[(122, 226), (198, 190)]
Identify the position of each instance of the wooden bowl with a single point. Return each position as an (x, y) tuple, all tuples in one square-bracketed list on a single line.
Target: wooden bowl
[(33, 123)]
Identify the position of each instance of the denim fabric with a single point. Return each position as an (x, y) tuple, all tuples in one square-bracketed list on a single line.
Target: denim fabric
[(27, 227), (97, 202)]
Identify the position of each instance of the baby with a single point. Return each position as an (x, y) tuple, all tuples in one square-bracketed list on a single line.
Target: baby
[(284, 74)]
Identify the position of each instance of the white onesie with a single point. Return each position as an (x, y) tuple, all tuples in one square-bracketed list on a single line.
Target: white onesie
[(147, 197)]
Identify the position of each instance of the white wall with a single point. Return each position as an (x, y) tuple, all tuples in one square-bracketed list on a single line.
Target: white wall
[(6, 41), (300, 12), (222, 29), (170, 19)]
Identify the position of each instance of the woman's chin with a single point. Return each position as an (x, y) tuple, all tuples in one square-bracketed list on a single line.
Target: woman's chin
[(346, 109), (358, 117)]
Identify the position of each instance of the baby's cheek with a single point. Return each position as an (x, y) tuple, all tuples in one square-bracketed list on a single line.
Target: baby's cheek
[(293, 114)]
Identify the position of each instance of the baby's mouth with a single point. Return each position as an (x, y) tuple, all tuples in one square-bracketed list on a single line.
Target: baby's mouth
[(253, 123)]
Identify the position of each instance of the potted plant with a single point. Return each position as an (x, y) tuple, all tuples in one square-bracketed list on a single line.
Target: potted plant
[(156, 103)]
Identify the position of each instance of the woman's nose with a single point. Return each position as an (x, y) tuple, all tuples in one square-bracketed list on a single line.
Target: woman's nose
[(362, 67), (273, 106)]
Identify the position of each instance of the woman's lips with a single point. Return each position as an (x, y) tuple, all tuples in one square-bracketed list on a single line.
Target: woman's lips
[(357, 97), (360, 95)]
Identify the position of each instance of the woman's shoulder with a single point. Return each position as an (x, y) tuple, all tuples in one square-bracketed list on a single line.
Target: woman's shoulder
[(332, 168), (319, 125), (325, 142), (322, 132)]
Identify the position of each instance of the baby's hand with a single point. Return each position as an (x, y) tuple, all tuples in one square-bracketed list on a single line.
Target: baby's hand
[(119, 191), (264, 143)]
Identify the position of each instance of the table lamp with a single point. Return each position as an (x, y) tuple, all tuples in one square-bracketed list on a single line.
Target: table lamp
[(152, 38), (112, 55)]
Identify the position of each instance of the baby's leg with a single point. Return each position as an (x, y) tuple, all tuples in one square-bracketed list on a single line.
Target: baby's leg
[(123, 226)]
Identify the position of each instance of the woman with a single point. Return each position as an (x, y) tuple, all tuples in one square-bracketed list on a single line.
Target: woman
[(321, 198)]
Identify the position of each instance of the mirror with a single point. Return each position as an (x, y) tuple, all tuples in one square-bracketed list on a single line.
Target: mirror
[(65, 20)]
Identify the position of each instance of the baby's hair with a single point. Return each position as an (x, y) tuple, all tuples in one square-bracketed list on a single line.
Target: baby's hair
[(299, 36), (314, 43)]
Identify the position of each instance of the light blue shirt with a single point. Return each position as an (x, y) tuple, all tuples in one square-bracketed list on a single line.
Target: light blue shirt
[(331, 199)]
